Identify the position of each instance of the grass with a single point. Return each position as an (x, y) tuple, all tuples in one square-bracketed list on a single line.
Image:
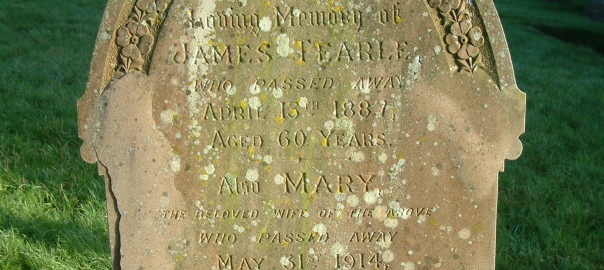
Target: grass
[(551, 204), (52, 204), (52, 209)]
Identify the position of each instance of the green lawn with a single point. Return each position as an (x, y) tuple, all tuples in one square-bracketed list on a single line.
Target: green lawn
[(52, 209)]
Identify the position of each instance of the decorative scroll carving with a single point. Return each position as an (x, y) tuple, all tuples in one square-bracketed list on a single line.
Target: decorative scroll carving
[(462, 38), (136, 38)]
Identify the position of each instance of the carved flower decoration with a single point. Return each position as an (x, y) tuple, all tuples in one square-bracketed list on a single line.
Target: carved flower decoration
[(136, 37), (151, 9), (445, 6), (136, 41), (464, 40), (461, 37), (152, 5)]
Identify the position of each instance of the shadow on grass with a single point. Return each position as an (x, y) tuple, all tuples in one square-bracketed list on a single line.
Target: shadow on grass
[(577, 37)]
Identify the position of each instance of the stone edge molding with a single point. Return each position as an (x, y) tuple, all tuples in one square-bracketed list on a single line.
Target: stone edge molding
[(129, 29)]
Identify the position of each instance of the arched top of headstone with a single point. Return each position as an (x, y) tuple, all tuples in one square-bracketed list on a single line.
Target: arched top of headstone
[(301, 134)]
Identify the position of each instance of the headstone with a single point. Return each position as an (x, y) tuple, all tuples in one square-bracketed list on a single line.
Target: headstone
[(301, 134)]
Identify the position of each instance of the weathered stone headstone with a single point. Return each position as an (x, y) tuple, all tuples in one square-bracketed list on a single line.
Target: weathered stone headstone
[(301, 134)]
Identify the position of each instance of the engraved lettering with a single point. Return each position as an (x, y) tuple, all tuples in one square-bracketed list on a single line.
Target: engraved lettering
[(175, 214), (220, 140), (219, 56), (322, 55), (361, 212), (341, 183), (244, 263), (326, 136), (217, 238), (406, 212), (350, 51), (391, 15), (330, 138), (265, 55), (302, 181), (233, 186), (212, 112), (360, 261), (226, 214), (325, 183), (290, 213), (379, 82), (285, 16), (366, 181), (225, 263), (224, 20), (296, 83), (369, 237), (242, 52), (290, 237), (206, 85), (262, 51), (226, 53), (345, 52), (303, 48)]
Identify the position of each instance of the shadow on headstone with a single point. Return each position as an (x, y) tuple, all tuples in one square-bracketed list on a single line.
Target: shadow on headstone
[(263, 135)]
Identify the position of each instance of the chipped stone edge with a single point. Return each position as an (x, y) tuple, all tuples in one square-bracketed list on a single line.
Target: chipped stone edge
[(113, 217), (101, 72), (505, 72), (507, 84), (103, 63)]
